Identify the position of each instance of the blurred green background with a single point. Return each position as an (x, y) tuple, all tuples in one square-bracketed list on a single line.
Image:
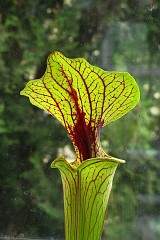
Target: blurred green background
[(115, 35)]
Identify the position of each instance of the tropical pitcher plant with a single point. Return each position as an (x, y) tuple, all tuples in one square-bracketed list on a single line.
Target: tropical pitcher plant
[(84, 98)]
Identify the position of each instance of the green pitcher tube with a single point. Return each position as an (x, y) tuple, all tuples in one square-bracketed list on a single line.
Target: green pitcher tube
[(86, 193)]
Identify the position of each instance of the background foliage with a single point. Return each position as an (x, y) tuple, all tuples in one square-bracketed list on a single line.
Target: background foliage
[(121, 35)]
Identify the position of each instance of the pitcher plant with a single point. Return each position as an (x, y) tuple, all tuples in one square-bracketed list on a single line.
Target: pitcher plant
[(84, 98)]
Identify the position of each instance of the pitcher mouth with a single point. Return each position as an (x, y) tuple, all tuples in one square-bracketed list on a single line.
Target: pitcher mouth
[(74, 168)]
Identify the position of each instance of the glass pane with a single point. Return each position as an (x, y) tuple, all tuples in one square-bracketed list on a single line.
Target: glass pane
[(116, 36)]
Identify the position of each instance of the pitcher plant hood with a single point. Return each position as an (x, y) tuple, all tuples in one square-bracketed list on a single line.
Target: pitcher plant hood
[(83, 98)]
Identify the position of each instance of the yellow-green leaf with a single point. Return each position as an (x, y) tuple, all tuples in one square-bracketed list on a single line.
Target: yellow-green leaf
[(83, 98)]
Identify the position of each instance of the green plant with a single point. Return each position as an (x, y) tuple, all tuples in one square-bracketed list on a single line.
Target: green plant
[(84, 98)]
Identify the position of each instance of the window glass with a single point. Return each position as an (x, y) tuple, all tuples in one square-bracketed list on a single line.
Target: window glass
[(114, 35)]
